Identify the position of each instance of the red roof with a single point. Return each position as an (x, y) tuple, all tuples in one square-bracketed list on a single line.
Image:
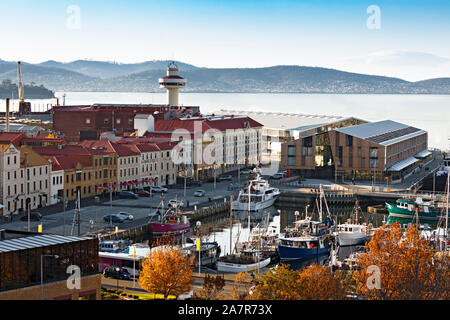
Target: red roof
[(62, 150), (125, 150), (62, 162), (12, 137), (98, 147)]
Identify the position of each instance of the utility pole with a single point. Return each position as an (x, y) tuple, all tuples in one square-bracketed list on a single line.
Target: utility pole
[(78, 213)]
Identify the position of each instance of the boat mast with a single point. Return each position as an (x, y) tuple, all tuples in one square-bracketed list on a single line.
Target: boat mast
[(446, 214), (249, 185), (231, 223)]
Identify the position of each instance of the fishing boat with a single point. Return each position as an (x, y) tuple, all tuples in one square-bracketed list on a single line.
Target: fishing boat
[(407, 212), (243, 261), (257, 195), (169, 226), (308, 239), (209, 252), (350, 234)]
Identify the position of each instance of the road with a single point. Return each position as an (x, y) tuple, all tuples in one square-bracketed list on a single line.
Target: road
[(91, 217)]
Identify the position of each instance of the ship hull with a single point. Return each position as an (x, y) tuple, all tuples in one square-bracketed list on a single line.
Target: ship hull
[(351, 239), (237, 267), (170, 231), (404, 216), (291, 253), (243, 206)]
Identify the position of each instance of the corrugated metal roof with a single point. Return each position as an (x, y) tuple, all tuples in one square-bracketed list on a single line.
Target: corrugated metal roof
[(403, 164), (423, 154), (29, 242), (287, 121), (385, 132)]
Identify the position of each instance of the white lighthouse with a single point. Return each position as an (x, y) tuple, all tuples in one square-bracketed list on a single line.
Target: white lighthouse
[(172, 82)]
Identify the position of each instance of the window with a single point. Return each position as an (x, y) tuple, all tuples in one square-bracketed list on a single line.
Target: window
[(359, 152), (106, 121), (88, 121), (291, 155), (373, 163), (373, 152), (118, 120), (349, 141)]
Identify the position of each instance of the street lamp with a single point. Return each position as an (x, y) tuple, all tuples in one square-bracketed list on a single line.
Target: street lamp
[(198, 224), (42, 271)]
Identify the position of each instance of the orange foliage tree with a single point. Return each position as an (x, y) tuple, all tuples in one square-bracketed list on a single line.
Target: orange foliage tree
[(166, 271), (277, 284), (312, 283), (404, 266), (320, 283)]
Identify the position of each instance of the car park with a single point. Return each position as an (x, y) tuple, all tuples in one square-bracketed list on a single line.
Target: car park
[(113, 218), (128, 195), (199, 193), (34, 216)]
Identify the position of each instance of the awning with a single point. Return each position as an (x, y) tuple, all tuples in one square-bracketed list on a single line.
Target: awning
[(403, 164), (423, 154)]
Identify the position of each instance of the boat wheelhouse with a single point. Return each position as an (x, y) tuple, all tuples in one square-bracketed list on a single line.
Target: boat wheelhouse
[(350, 234), (256, 196)]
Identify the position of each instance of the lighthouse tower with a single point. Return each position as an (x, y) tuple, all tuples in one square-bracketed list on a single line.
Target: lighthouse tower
[(172, 82)]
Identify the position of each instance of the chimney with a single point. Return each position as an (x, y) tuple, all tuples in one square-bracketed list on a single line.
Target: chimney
[(7, 114)]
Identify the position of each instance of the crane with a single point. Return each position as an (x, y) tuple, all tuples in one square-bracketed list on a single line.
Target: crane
[(24, 107)]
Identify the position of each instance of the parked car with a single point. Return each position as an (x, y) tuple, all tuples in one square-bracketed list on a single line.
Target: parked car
[(34, 216), (277, 176), (113, 218), (199, 193), (159, 189), (175, 203), (191, 183), (246, 171), (121, 273), (128, 195), (142, 193), (225, 178), (125, 215)]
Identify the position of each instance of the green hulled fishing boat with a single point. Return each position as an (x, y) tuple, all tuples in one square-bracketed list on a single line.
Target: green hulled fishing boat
[(404, 212)]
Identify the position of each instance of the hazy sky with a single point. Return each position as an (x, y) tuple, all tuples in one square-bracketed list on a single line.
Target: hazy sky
[(408, 39)]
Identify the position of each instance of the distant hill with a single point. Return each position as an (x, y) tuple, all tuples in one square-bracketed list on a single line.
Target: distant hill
[(86, 75), (9, 90)]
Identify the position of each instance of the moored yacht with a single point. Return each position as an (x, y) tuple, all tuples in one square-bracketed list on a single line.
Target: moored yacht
[(256, 196)]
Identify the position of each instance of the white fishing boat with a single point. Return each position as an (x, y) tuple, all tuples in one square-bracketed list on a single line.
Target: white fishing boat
[(242, 262), (256, 196), (350, 234)]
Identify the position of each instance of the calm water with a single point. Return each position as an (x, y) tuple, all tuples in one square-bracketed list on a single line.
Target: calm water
[(428, 112), (218, 229)]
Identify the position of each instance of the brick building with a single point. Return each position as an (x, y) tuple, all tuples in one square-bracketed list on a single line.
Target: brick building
[(378, 149)]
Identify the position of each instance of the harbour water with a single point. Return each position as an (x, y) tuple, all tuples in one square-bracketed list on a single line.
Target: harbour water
[(428, 112), (219, 229)]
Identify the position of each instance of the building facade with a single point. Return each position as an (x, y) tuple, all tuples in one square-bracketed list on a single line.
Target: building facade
[(378, 150)]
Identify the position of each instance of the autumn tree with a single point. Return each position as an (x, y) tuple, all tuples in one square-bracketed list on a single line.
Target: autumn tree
[(398, 266), (312, 283), (279, 283), (320, 283), (166, 271), (241, 286), (212, 287)]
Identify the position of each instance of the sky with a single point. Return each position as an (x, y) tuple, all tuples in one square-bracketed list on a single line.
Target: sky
[(409, 39)]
